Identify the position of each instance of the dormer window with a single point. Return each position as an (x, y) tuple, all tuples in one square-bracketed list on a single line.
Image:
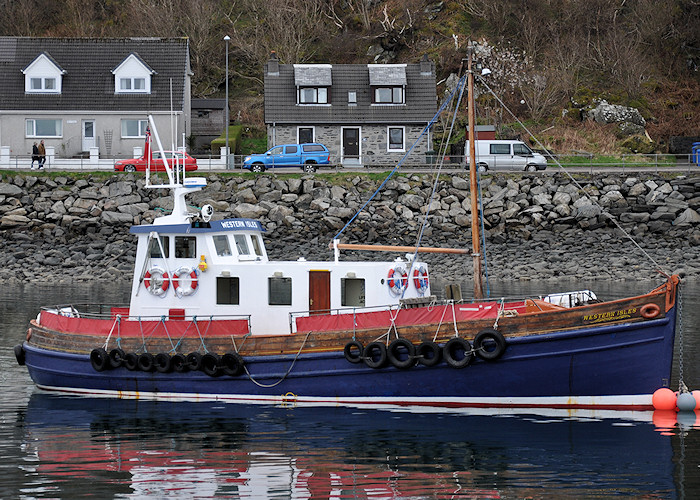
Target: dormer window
[(43, 76), (388, 82), (133, 76), (313, 82)]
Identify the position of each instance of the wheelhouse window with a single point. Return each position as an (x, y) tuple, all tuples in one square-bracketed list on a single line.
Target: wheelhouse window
[(241, 244), (313, 95), (499, 149), (222, 246), (257, 246), (44, 128), (279, 291), (134, 128), (352, 292), (228, 290), (185, 247), (388, 95), (155, 247), (396, 139)]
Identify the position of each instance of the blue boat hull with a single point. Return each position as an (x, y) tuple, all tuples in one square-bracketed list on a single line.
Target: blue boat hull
[(605, 366)]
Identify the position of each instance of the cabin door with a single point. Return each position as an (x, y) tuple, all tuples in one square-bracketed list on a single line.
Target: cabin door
[(319, 292)]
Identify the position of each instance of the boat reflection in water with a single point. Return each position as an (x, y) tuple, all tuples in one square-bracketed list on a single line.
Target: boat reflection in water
[(131, 447)]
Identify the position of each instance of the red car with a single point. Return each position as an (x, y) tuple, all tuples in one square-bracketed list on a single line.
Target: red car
[(175, 158)]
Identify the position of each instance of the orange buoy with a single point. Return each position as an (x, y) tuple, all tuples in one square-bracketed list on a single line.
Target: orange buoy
[(664, 399)]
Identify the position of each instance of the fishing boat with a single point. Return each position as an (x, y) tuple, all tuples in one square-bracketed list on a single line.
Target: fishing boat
[(211, 317)]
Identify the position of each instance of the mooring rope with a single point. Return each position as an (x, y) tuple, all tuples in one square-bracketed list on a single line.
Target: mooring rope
[(266, 386)]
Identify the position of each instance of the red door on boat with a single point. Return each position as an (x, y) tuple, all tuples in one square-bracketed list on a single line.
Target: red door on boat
[(319, 292)]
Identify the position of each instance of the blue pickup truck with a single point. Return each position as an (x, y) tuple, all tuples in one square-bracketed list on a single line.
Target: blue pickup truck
[(306, 156)]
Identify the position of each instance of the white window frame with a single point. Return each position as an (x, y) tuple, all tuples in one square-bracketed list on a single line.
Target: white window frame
[(31, 132), (43, 70), (131, 87), (313, 134), (389, 149), (320, 96), (141, 124), (132, 70), (395, 100)]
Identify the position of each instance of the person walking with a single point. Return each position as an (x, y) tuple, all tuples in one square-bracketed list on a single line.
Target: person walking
[(42, 155), (35, 155)]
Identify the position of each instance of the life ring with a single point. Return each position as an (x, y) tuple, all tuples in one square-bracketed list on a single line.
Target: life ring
[(420, 279), (401, 354), (428, 353), (397, 280), (232, 364), (489, 344), (457, 352), (156, 281), (210, 364), (353, 351), (188, 276), (99, 359), (375, 354), (650, 311), (163, 362)]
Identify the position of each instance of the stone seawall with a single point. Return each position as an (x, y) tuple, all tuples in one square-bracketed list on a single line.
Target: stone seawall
[(63, 228)]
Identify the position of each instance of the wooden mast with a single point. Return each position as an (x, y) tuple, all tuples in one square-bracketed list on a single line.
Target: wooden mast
[(473, 188)]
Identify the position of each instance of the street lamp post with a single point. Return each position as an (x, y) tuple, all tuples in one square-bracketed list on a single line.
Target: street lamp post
[(228, 163)]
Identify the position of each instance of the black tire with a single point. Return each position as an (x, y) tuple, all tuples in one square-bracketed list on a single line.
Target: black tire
[(429, 353), (194, 361), (309, 168), (210, 364), (232, 364), (258, 168), (489, 344), (401, 354), (375, 354), (99, 359), (116, 357), (179, 363), (131, 361), (350, 349), (457, 352), (19, 354), (163, 362), (146, 362), (129, 168)]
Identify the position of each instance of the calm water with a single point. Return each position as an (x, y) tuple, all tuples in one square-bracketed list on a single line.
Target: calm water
[(61, 447)]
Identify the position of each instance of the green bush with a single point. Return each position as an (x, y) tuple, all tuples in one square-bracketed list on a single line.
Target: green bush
[(234, 140)]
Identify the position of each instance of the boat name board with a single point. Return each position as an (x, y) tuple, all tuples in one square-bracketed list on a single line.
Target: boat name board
[(610, 315)]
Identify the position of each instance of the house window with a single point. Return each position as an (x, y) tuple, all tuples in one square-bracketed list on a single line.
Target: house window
[(185, 247), (279, 291), (305, 134), (134, 128), (388, 95), (352, 97), (352, 292), (499, 149), (396, 139), (37, 127), (313, 95), (228, 290), (132, 85), (42, 85)]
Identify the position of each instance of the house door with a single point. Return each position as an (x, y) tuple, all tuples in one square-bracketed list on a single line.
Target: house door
[(319, 292), (88, 135), (351, 146)]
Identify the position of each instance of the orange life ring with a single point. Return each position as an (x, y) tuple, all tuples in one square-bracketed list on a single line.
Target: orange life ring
[(398, 280), (185, 274), (650, 311), (420, 279), (156, 281)]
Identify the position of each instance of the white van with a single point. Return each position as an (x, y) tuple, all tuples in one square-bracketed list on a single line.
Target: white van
[(505, 155)]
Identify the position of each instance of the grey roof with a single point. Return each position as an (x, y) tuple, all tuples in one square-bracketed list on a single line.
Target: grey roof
[(387, 74), (312, 75), (208, 103), (281, 107), (88, 83)]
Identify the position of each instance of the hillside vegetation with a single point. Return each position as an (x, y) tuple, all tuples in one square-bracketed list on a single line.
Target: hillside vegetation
[(551, 60)]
